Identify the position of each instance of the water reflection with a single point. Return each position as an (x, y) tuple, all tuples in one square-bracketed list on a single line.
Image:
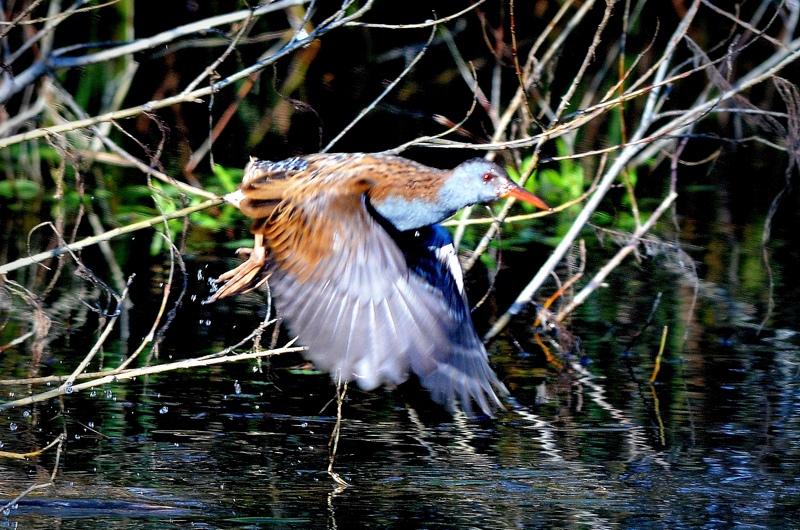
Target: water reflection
[(225, 448)]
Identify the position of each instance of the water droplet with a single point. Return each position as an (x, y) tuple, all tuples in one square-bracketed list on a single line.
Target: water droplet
[(48, 383), (77, 436), (13, 427), (304, 425), (255, 368), (163, 410), (91, 425), (93, 393), (193, 297), (6, 511), (1, 444), (237, 387), (68, 387), (26, 414)]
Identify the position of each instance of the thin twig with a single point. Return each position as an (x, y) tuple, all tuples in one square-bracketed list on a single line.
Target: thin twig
[(657, 365), (59, 442), (599, 277), (31, 454), (148, 370), (195, 95), (89, 241), (382, 95), (426, 24), (98, 344)]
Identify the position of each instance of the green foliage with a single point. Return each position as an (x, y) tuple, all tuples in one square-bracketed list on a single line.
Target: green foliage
[(128, 204), (557, 186), (622, 220), (228, 178), (753, 275), (211, 220), (24, 190), (139, 202), (554, 186)]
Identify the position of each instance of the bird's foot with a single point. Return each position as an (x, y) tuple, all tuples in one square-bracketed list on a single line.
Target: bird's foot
[(249, 275)]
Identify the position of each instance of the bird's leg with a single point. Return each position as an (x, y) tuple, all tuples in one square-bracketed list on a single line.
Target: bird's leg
[(251, 274), (333, 443)]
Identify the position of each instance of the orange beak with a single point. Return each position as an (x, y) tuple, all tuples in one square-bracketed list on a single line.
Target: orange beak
[(521, 194)]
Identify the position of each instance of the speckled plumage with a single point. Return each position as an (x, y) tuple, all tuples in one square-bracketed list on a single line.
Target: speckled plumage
[(361, 275)]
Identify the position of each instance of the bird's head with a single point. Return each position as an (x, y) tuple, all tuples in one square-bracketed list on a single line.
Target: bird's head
[(481, 181)]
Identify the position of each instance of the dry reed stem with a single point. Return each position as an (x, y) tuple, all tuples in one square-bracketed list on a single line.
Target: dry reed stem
[(597, 280)]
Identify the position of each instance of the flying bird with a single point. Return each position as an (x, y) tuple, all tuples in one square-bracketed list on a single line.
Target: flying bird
[(363, 274)]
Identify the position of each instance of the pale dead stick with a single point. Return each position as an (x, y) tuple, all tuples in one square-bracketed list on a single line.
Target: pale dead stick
[(130, 374), (598, 278), (66, 387), (25, 456), (89, 241)]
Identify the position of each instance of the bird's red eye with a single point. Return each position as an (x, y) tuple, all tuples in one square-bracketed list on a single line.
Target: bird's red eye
[(488, 177)]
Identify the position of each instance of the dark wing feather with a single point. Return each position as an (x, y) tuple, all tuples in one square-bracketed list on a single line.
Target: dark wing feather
[(462, 367)]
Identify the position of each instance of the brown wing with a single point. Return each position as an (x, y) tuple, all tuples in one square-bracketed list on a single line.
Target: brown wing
[(263, 187)]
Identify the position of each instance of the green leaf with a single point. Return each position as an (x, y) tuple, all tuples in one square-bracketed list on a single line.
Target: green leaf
[(228, 177), (25, 190)]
